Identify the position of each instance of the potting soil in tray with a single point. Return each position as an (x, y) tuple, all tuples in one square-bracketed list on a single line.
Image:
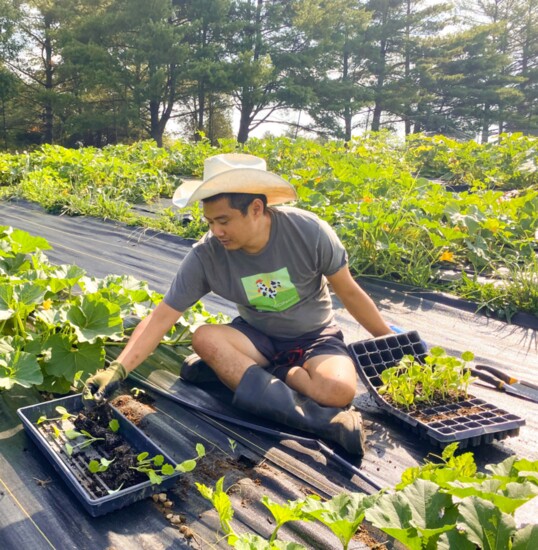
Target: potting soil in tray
[(101, 492), (470, 422)]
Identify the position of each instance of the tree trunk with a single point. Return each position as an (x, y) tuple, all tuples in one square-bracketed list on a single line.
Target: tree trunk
[(378, 107), (247, 104), (376, 117), (200, 119), (485, 124), (156, 129), (48, 114), (244, 125), (4, 122), (407, 108), (347, 109)]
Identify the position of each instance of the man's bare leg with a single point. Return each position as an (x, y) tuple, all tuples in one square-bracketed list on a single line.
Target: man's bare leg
[(227, 351), (330, 380)]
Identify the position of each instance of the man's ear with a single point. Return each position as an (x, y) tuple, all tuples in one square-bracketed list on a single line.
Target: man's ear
[(257, 207)]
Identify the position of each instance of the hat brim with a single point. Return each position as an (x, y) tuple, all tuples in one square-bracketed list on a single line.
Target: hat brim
[(241, 180)]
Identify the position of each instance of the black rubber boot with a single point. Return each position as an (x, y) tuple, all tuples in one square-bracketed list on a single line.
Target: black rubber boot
[(261, 393), (196, 371)]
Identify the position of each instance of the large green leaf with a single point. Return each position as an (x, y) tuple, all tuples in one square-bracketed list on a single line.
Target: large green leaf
[(485, 525), (507, 497), (284, 513), (13, 265), (20, 368), (65, 276), (31, 294), (415, 516), (343, 514), (65, 360), (24, 243), (6, 302), (454, 540), (54, 384), (392, 514), (526, 538), (95, 318)]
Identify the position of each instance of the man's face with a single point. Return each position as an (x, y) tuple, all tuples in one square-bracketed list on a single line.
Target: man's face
[(233, 230)]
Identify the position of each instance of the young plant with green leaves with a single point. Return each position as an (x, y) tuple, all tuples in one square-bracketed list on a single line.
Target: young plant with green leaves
[(156, 469), (55, 321), (404, 224), (99, 466), (441, 505), (436, 377), (87, 440)]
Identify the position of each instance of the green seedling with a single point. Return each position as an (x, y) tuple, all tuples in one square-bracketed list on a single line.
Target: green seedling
[(62, 411), (114, 425), (137, 392), (439, 376), (98, 466), (155, 467), (233, 444), (90, 440)]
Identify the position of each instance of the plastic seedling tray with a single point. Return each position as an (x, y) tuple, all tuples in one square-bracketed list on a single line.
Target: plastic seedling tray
[(73, 470), (486, 422)]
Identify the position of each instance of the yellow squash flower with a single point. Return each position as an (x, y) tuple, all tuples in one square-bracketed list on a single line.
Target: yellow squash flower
[(447, 256)]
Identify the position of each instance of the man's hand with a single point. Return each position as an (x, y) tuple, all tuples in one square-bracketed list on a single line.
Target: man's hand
[(104, 383)]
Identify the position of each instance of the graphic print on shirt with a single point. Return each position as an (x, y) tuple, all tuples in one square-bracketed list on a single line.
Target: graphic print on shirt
[(271, 291)]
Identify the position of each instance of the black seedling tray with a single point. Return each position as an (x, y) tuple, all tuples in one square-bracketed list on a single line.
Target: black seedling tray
[(73, 470), (487, 422)]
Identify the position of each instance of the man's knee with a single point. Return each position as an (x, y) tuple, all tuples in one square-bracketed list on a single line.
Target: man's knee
[(205, 340), (334, 393), (334, 381)]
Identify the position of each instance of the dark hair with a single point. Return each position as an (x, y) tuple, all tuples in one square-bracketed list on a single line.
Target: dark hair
[(239, 201)]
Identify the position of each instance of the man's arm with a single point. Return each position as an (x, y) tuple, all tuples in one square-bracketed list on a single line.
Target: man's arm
[(143, 341), (358, 303), (147, 335)]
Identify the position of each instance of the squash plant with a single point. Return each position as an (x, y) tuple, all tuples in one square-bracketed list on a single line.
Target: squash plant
[(445, 504), (402, 222), (438, 377), (55, 320)]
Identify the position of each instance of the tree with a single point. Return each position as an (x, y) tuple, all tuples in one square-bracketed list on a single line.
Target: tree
[(469, 81), (264, 50), (127, 59), (38, 36), (206, 68), (393, 47), (335, 68)]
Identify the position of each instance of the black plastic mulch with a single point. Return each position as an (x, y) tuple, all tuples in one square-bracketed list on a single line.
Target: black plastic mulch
[(38, 511)]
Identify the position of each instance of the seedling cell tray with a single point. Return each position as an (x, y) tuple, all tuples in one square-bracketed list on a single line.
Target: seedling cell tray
[(486, 423), (73, 470)]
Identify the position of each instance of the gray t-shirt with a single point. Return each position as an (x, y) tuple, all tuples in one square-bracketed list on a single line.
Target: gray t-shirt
[(282, 290)]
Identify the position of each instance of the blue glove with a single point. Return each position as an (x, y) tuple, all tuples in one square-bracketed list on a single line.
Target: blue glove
[(400, 330)]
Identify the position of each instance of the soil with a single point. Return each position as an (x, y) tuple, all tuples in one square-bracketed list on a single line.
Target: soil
[(134, 409), (119, 473), (427, 413)]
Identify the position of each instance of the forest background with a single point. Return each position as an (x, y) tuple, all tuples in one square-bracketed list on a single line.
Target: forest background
[(101, 72)]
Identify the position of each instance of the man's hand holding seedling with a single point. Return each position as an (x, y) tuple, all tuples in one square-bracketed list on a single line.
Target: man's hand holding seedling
[(104, 383)]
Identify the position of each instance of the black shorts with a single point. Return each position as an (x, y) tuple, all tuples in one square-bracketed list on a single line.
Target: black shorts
[(285, 353)]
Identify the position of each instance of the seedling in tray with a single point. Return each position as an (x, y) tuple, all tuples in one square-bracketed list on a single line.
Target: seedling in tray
[(437, 378), (103, 474), (428, 392)]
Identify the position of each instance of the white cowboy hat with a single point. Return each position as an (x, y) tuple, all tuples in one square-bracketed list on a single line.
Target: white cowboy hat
[(235, 173)]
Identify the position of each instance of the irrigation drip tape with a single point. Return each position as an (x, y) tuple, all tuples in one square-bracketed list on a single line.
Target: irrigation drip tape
[(279, 434)]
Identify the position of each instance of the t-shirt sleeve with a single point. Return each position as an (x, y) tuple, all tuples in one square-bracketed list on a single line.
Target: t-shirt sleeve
[(189, 285), (332, 255)]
